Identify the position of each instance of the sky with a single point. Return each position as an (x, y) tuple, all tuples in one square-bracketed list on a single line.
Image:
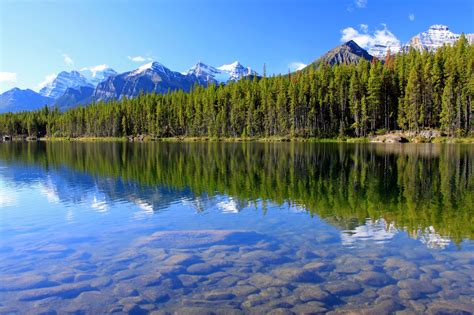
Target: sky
[(41, 38)]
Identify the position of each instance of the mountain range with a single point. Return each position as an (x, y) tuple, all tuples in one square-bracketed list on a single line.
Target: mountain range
[(69, 89)]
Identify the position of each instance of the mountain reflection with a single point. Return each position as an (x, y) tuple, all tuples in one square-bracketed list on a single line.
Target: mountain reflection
[(367, 191)]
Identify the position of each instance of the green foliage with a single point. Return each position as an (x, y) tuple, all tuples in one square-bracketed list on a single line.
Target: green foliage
[(410, 91)]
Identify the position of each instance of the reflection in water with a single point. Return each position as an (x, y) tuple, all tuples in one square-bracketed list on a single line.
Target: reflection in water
[(423, 189), (236, 227), (378, 231)]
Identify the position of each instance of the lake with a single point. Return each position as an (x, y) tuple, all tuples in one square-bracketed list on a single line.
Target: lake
[(230, 228)]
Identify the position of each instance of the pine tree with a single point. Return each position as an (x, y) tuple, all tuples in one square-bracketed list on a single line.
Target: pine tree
[(413, 99), (374, 94)]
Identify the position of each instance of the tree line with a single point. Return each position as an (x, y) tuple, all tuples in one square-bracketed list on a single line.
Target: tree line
[(409, 91)]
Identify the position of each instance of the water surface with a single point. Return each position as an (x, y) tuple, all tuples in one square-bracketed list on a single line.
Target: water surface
[(235, 228)]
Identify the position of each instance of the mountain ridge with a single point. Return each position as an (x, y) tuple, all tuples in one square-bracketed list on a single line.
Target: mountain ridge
[(102, 83)]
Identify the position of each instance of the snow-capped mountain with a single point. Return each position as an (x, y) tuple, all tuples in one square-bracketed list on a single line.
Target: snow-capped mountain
[(223, 74), (380, 51), (86, 77), (236, 71), (17, 100), (64, 80), (435, 37), (95, 75), (204, 73), (152, 77)]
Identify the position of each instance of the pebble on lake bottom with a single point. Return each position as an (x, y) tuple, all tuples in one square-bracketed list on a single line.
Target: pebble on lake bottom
[(215, 278)]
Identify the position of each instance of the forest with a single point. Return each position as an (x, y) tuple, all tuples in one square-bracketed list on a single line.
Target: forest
[(410, 91)]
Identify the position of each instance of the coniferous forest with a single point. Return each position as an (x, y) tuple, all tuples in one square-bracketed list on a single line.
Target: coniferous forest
[(410, 91)]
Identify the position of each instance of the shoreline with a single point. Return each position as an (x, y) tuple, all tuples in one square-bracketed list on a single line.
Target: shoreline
[(386, 139)]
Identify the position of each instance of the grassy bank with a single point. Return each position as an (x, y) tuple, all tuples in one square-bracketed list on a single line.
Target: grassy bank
[(85, 139), (469, 139), (261, 139)]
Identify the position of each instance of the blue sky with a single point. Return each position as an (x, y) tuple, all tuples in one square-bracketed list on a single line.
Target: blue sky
[(41, 38)]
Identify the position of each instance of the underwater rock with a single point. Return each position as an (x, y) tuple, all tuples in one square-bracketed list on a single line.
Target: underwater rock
[(218, 295), (450, 307), (198, 238), (24, 281), (263, 256), (296, 275), (398, 263), (319, 266), (201, 269), (456, 276), (422, 286), (264, 281), (389, 290), (409, 294), (343, 288), (280, 311), (181, 259), (308, 293), (62, 291), (309, 308), (375, 279), (244, 290)]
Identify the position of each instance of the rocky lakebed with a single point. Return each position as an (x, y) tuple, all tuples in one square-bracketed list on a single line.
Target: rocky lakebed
[(234, 272)]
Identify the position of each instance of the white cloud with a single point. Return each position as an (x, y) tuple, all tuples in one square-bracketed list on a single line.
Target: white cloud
[(136, 59), (139, 58), (7, 77), (98, 68), (411, 17), (350, 33), (95, 69), (296, 65), (68, 60), (47, 79), (360, 3), (366, 39)]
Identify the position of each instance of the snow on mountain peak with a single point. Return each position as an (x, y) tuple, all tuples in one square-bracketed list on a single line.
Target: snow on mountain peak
[(222, 74), (436, 36), (56, 85), (439, 27), (145, 67), (231, 67), (64, 80), (236, 71), (205, 72), (154, 66), (201, 68), (97, 74)]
